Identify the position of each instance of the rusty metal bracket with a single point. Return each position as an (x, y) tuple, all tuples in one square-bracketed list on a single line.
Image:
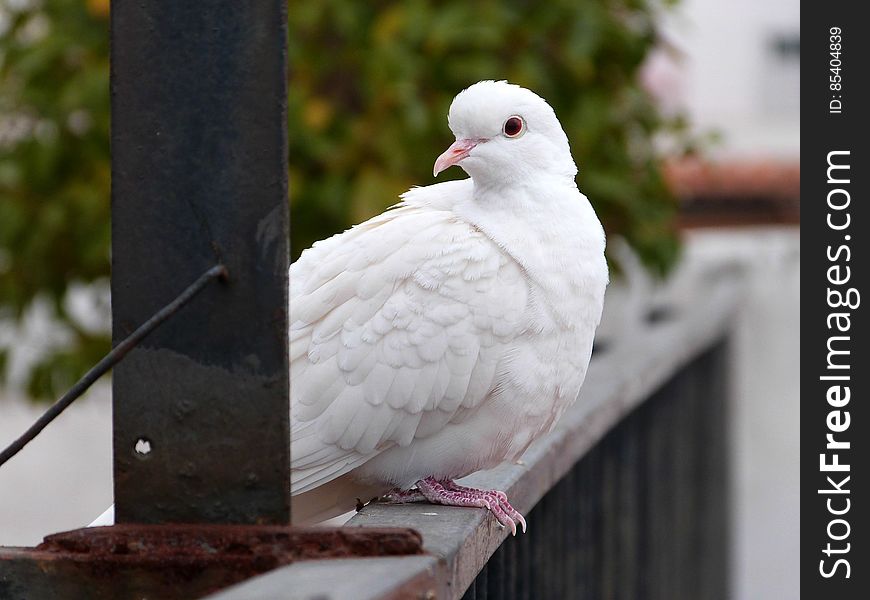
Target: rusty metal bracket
[(179, 561)]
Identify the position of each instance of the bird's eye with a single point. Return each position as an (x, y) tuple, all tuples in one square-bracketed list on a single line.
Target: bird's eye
[(514, 127)]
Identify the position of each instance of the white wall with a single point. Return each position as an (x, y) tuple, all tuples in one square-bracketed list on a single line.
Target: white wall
[(765, 427), (723, 67), (63, 479), (766, 432)]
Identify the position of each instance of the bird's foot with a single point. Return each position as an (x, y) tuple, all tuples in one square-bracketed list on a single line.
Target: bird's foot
[(397, 496), (448, 493)]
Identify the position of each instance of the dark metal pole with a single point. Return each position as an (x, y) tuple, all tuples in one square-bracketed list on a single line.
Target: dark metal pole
[(199, 178)]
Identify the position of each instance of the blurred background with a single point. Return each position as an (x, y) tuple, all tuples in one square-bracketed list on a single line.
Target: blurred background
[(683, 119)]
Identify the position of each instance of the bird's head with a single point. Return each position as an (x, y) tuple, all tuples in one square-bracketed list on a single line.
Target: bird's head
[(505, 134)]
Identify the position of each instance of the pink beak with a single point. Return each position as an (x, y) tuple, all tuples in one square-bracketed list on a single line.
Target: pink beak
[(456, 152)]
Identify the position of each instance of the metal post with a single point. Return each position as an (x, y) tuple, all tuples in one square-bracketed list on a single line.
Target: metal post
[(199, 177), (201, 405)]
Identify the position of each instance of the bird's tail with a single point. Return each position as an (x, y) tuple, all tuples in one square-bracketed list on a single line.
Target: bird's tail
[(341, 495)]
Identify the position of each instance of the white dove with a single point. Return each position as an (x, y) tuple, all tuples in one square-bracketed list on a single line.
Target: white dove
[(445, 335)]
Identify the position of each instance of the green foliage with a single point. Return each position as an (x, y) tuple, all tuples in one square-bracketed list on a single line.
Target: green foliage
[(370, 84), (54, 166)]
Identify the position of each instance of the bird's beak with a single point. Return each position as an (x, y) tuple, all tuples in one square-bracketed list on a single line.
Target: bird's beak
[(456, 152)]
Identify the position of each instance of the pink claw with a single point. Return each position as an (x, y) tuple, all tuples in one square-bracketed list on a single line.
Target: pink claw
[(448, 493)]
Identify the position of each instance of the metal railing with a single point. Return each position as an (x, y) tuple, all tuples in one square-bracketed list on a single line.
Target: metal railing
[(627, 498), (642, 515)]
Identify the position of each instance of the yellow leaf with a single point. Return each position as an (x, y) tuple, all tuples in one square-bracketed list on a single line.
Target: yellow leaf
[(317, 113), (98, 8), (388, 25)]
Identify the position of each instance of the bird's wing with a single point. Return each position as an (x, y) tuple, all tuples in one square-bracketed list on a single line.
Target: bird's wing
[(397, 325)]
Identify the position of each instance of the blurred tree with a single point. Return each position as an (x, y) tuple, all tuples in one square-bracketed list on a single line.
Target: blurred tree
[(372, 82), (54, 168), (370, 86)]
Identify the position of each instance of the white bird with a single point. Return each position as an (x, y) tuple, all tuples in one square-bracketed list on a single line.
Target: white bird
[(445, 335)]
